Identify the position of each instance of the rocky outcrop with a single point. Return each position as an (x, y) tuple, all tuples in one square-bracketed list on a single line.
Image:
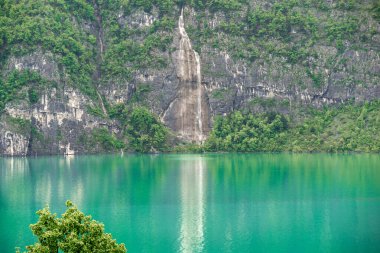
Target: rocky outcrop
[(56, 125), (12, 144), (188, 113)]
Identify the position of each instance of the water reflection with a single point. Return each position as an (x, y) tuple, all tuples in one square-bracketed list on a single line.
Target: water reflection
[(210, 203), (193, 183), (295, 203)]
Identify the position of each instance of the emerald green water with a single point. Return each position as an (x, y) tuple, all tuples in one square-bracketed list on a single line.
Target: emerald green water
[(203, 203)]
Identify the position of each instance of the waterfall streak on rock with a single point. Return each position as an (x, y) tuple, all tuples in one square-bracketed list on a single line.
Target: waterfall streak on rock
[(188, 113)]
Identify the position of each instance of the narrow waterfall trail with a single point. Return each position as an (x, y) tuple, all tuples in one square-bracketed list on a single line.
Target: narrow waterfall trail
[(188, 113)]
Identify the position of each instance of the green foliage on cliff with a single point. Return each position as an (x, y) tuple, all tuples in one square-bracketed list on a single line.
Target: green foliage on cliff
[(246, 132), (289, 30), (16, 81), (97, 46), (123, 58), (376, 9), (95, 43), (73, 232), (18, 125), (279, 20), (27, 26), (132, 48), (342, 129), (107, 140), (166, 6), (347, 128), (145, 132)]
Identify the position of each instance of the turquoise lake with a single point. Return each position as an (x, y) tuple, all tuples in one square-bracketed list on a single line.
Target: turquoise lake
[(203, 203)]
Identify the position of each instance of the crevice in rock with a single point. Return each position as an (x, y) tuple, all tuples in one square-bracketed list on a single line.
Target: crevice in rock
[(163, 114), (99, 57), (329, 78), (31, 137)]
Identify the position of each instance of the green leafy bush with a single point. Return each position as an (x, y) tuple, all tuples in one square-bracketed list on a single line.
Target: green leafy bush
[(73, 232), (145, 132), (108, 140)]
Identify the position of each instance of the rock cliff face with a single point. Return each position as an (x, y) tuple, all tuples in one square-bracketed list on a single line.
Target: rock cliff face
[(54, 126), (188, 113), (186, 63)]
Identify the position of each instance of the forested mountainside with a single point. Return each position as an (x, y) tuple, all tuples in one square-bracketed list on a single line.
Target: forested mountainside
[(89, 76)]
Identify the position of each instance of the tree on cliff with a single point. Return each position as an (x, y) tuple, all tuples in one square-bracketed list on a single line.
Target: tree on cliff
[(74, 232), (146, 133)]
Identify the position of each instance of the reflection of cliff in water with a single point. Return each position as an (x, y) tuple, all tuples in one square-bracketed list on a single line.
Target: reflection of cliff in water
[(204, 203), (261, 199), (188, 114)]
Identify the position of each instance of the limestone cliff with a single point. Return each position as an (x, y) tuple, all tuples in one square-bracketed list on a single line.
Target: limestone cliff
[(64, 66)]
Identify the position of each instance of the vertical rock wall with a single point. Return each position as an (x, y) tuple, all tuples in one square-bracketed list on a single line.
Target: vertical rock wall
[(188, 113), (12, 144)]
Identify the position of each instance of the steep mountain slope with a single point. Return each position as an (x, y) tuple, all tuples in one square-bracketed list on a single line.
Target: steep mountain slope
[(68, 68)]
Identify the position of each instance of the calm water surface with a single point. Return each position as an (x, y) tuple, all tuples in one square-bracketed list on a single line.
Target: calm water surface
[(203, 203)]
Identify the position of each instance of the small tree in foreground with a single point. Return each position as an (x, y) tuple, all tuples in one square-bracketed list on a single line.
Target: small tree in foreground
[(74, 232)]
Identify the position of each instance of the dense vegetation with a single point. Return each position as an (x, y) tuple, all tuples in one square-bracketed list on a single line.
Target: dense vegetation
[(16, 81), (74, 232), (347, 128), (95, 46), (145, 133), (239, 132), (376, 9), (284, 28), (139, 130), (28, 26)]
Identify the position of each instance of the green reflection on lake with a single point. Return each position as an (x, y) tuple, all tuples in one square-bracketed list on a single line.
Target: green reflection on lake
[(203, 203)]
